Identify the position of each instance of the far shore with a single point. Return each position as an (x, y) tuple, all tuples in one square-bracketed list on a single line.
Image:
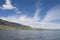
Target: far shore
[(14, 28)]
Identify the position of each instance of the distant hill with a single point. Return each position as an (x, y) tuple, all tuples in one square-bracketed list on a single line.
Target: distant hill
[(12, 24)]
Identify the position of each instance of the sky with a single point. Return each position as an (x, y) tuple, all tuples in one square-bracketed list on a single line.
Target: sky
[(33, 13)]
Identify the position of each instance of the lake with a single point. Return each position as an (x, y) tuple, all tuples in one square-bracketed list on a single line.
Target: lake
[(30, 35)]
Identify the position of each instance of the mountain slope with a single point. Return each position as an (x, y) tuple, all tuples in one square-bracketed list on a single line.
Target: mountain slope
[(6, 24)]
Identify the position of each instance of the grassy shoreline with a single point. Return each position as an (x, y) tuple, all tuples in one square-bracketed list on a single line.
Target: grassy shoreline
[(3, 27), (14, 28)]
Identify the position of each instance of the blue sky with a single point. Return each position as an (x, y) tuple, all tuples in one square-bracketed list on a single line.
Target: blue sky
[(34, 13), (26, 6)]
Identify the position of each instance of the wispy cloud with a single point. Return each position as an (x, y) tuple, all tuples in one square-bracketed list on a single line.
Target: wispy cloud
[(53, 14), (36, 15), (38, 10), (17, 11)]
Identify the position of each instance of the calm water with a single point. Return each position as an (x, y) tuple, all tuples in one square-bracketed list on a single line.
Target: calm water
[(30, 35)]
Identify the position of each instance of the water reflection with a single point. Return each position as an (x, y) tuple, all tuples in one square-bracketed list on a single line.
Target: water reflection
[(30, 35)]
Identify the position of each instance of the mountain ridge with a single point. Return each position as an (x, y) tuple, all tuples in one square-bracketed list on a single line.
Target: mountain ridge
[(12, 24)]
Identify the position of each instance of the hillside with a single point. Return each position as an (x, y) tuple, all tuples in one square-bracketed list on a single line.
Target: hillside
[(11, 25)]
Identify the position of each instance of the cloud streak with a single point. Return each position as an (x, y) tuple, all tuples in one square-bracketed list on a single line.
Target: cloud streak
[(53, 14)]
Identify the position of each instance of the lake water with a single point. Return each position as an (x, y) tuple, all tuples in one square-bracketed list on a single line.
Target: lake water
[(30, 35)]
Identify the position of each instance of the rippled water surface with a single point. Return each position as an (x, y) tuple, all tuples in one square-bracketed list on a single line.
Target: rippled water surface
[(30, 35)]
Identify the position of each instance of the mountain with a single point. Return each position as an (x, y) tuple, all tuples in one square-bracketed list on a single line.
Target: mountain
[(7, 24)]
